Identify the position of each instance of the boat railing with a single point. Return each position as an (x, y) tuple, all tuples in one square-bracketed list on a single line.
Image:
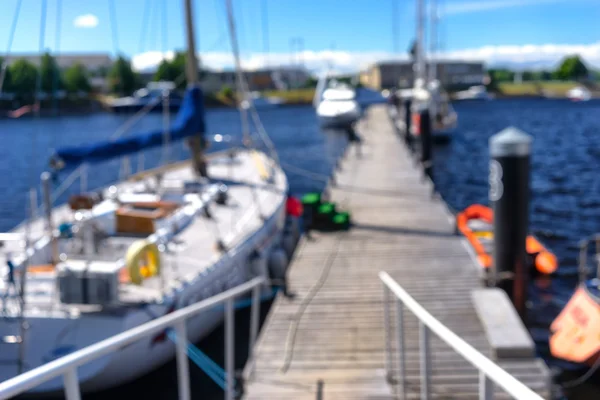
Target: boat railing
[(489, 372), (583, 257), (67, 366)]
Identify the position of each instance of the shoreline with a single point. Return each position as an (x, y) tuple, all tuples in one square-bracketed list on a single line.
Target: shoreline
[(98, 105)]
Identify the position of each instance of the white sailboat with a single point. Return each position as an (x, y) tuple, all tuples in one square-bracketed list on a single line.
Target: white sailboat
[(427, 92), (150, 244)]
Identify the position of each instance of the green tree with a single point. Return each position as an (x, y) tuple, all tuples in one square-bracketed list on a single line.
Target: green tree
[(122, 79), (23, 78), (165, 72), (529, 76), (6, 85), (227, 92), (572, 68), (76, 79), (178, 66), (311, 82), (501, 75), (173, 70), (51, 79)]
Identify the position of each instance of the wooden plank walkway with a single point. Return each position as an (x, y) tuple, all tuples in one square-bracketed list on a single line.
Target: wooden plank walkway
[(333, 329)]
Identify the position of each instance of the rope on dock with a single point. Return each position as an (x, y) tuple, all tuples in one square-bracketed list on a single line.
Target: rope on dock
[(291, 338)]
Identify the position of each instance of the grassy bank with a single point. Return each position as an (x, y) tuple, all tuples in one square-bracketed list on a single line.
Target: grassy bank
[(534, 88), (295, 96)]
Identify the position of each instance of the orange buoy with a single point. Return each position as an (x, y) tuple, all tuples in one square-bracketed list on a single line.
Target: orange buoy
[(416, 123), (546, 262)]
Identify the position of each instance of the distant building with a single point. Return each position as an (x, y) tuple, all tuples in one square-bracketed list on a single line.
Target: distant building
[(452, 74), (258, 80)]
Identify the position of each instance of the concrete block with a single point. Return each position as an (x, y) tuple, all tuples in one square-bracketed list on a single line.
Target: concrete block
[(506, 333)]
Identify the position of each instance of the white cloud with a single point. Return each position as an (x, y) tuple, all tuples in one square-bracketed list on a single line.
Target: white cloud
[(530, 56), (86, 21), (465, 7)]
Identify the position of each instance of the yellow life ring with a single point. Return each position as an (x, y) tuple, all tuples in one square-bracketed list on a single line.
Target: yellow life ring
[(142, 261)]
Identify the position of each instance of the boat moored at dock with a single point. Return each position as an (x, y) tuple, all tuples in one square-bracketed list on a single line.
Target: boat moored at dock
[(140, 249), (146, 246), (575, 333)]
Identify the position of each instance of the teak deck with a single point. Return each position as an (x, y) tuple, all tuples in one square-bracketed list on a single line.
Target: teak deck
[(333, 329)]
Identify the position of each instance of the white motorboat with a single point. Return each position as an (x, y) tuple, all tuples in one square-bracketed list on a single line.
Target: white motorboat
[(579, 93), (473, 93), (338, 107), (148, 245)]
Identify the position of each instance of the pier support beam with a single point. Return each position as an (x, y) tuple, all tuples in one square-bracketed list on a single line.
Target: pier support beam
[(509, 196)]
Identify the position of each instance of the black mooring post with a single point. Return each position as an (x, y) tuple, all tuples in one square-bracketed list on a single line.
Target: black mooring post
[(426, 143), (408, 122), (509, 195)]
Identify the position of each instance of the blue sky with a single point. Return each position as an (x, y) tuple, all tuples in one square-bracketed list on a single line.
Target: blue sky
[(536, 32)]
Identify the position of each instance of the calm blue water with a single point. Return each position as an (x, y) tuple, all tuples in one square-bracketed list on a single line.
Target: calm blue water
[(565, 205)]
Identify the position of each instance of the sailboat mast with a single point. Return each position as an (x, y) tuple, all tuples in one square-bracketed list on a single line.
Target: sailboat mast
[(191, 65), (420, 62), (433, 41), (241, 87), (196, 143)]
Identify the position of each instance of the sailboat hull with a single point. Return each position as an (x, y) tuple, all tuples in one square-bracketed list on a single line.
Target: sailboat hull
[(249, 226)]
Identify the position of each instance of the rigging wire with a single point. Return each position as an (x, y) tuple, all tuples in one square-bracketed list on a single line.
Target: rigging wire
[(154, 26), (145, 19), (165, 30), (11, 37), (113, 25), (56, 79), (583, 378), (242, 98)]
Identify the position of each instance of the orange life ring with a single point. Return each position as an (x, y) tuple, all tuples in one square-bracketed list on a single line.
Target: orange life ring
[(544, 261)]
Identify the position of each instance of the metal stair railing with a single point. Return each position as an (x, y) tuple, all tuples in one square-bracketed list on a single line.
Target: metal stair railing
[(67, 365), (489, 372)]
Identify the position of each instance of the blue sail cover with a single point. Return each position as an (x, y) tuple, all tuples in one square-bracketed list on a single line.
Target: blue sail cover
[(188, 122)]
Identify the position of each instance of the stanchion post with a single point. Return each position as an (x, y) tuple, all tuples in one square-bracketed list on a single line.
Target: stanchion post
[(426, 143)]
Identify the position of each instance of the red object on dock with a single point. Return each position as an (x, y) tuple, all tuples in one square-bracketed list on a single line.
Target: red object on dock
[(293, 207)]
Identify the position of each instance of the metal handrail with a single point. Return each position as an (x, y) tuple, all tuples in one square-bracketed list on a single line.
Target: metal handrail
[(67, 365), (489, 372)]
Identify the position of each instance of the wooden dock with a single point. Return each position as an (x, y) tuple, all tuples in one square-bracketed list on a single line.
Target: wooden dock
[(333, 330)]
